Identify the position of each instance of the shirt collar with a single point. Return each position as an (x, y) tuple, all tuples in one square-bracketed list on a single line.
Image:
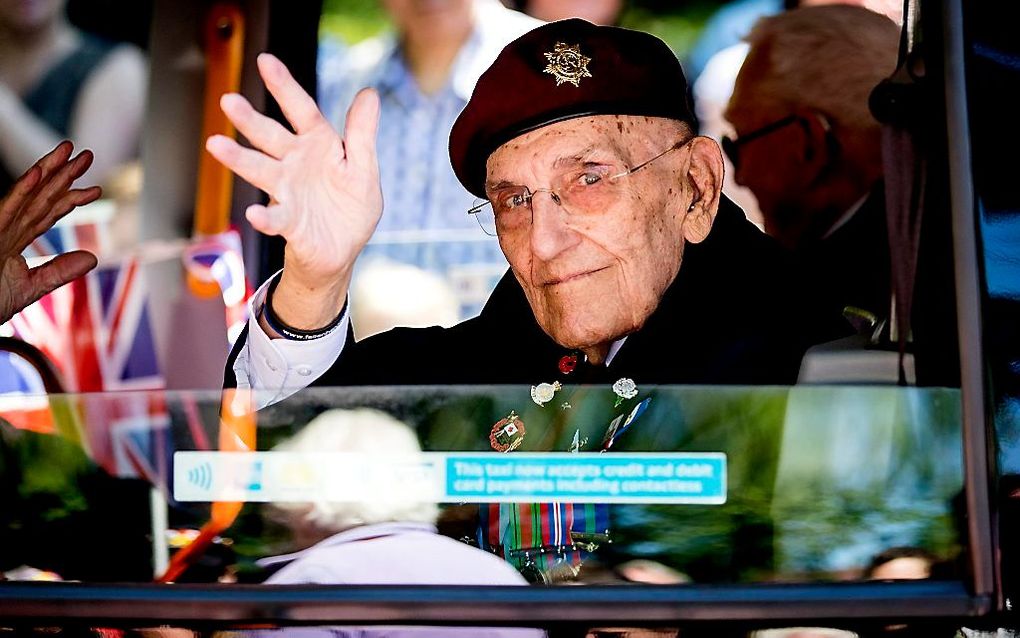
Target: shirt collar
[(845, 217)]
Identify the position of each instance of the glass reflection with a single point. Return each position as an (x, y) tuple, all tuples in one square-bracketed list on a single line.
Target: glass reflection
[(818, 482)]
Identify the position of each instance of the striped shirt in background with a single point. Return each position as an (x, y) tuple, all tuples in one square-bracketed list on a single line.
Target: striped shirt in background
[(425, 221)]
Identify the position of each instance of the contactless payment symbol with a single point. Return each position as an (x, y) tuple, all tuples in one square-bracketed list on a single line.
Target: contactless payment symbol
[(201, 476)]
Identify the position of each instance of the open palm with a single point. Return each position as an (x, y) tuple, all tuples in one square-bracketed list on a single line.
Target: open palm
[(36, 201), (326, 196)]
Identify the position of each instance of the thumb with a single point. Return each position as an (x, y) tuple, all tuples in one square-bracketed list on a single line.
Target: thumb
[(57, 272)]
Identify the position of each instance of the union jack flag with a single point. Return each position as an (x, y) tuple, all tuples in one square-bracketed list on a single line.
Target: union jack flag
[(97, 331)]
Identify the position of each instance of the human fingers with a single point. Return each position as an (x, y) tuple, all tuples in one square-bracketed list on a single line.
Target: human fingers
[(361, 127), (56, 158), (298, 107), (59, 208), (271, 220), (30, 180), (60, 180), (15, 198), (55, 184), (57, 272), (264, 133), (254, 167)]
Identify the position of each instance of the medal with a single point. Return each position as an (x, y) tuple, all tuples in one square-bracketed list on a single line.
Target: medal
[(624, 389), (507, 434), (620, 424), (544, 392)]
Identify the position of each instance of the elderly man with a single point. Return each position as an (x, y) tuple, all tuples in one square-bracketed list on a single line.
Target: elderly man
[(810, 149), (625, 261)]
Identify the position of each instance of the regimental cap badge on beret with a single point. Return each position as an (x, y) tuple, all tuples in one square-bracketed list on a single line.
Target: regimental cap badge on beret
[(567, 64), (613, 71)]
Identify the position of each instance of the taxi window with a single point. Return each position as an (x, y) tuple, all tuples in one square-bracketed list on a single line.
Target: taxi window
[(672, 485)]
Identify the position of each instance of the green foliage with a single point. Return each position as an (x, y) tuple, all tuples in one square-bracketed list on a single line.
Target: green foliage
[(678, 26), (352, 21)]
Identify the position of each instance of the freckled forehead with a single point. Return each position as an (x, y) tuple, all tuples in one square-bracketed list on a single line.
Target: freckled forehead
[(615, 135)]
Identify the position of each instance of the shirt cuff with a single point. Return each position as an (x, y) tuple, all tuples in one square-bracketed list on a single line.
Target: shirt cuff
[(277, 368)]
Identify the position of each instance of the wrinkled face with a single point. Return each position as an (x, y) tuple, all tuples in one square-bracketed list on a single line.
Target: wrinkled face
[(593, 275)]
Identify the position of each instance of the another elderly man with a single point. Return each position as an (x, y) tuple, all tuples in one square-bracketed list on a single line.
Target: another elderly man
[(810, 149), (625, 260)]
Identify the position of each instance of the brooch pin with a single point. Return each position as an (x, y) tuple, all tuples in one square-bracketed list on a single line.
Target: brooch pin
[(620, 424), (508, 433), (567, 64), (544, 392), (624, 389)]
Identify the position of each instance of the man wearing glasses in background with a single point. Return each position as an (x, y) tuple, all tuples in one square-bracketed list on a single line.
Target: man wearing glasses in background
[(810, 149), (625, 259)]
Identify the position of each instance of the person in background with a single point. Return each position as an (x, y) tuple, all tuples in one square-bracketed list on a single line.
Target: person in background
[(809, 148), (57, 82), (901, 563), (388, 295), (424, 74), (717, 73), (390, 539), (605, 12)]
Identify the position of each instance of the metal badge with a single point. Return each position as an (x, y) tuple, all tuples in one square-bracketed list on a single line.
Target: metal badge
[(544, 392), (507, 434), (567, 64)]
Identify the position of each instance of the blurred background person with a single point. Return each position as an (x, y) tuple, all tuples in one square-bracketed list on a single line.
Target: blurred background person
[(425, 71), (809, 148), (901, 563), (58, 82), (605, 12), (717, 57), (390, 540), (389, 294)]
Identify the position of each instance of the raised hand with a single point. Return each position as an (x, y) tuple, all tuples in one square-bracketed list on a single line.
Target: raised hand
[(37, 200), (326, 196)]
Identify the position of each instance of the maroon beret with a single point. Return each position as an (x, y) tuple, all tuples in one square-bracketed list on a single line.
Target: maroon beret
[(562, 70)]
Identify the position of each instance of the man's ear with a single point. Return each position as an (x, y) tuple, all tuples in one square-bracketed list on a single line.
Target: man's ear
[(820, 145), (705, 179)]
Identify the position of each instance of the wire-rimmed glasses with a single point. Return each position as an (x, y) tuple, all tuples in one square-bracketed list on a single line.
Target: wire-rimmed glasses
[(583, 190)]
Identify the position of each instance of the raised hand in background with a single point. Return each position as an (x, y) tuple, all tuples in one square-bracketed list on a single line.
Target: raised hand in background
[(36, 201)]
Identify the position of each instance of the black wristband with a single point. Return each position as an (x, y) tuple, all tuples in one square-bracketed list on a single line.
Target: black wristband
[(296, 334)]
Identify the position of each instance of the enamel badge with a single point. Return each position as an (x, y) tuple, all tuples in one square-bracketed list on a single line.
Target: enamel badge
[(567, 64), (507, 434)]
